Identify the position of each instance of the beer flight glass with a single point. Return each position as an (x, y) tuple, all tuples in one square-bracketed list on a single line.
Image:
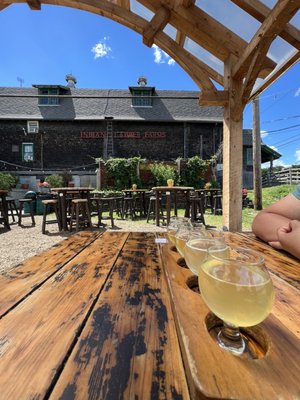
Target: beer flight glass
[(237, 289)]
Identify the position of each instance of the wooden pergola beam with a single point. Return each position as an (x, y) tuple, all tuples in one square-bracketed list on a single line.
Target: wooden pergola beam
[(198, 71), (2, 6), (260, 11), (124, 3), (187, 3), (158, 22), (272, 25), (216, 98), (215, 38), (34, 4)]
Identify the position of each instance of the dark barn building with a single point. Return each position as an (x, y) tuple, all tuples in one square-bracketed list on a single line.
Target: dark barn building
[(60, 127)]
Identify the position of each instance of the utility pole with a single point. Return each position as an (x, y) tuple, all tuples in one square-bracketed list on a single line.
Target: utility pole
[(256, 145)]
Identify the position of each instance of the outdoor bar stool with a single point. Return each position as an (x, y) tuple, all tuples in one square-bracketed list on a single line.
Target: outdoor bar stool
[(128, 209), (12, 208), (29, 203), (104, 204), (48, 205), (197, 209), (118, 205), (217, 204), (80, 213), (151, 209)]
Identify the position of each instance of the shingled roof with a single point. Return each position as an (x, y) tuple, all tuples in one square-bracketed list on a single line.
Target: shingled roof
[(96, 104)]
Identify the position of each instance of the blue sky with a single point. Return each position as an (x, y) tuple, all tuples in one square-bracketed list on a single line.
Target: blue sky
[(41, 47)]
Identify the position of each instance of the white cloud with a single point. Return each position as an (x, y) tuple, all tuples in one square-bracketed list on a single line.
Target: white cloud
[(101, 49), (297, 92), (297, 154), (263, 134), (161, 57), (274, 148)]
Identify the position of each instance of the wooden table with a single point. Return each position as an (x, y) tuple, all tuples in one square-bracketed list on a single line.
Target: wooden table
[(111, 316), (158, 190), (82, 192), (4, 217)]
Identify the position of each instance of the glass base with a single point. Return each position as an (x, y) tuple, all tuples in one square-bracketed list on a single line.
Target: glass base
[(230, 339)]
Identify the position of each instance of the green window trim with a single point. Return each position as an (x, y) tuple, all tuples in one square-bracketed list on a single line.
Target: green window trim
[(142, 98), (27, 152)]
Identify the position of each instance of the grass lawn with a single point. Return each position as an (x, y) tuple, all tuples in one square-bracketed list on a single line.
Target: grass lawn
[(269, 195)]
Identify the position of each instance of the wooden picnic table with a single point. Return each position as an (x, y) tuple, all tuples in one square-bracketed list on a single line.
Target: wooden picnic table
[(112, 316), (63, 192)]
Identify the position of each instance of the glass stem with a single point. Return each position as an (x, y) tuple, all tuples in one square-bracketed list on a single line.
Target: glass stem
[(230, 339), (231, 331)]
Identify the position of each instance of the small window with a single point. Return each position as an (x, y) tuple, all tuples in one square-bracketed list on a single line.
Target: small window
[(48, 101), (27, 151), (141, 98), (249, 156), (32, 126)]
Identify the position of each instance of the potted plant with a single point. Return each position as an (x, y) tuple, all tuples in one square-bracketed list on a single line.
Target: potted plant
[(170, 182), (134, 186)]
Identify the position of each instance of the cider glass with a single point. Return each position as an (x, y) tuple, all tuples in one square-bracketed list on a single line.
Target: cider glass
[(238, 290)]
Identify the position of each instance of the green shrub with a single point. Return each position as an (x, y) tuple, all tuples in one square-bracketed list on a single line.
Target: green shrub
[(123, 172), (55, 181), (161, 173), (193, 174), (7, 181)]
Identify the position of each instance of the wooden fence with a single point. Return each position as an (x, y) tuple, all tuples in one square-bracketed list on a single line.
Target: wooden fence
[(285, 176)]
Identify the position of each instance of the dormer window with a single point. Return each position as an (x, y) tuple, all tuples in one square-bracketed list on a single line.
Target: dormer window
[(142, 95), (45, 100), (49, 94)]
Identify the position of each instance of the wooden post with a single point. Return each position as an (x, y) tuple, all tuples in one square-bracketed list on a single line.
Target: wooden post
[(256, 145), (232, 152)]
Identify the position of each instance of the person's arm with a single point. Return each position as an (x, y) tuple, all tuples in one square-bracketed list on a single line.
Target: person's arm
[(268, 221), (289, 238)]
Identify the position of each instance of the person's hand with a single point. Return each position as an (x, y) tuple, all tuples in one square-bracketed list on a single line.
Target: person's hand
[(282, 230), (289, 238)]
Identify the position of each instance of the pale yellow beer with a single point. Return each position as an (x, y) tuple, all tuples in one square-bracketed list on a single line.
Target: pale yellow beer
[(196, 252), (171, 236), (237, 293), (180, 244)]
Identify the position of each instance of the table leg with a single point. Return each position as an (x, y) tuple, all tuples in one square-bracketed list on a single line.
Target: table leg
[(168, 204), (5, 211), (157, 208), (63, 211)]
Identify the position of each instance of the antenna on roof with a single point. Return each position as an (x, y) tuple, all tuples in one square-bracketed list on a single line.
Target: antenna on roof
[(21, 80)]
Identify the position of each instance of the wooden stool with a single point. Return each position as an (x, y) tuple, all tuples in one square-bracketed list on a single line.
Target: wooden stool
[(29, 202), (104, 204), (80, 213), (217, 204), (128, 209), (11, 207), (151, 209), (197, 209), (47, 206)]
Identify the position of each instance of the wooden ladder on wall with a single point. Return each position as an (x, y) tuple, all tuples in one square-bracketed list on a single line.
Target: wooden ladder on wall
[(108, 150)]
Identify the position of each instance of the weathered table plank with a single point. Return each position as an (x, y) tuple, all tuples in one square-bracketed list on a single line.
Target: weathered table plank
[(37, 335), (214, 373), (129, 347), (18, 282)]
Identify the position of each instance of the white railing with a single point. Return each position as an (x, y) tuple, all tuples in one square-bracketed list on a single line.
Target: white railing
[(285, 176)]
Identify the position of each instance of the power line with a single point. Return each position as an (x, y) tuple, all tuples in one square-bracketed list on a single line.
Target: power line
[(282, 129)]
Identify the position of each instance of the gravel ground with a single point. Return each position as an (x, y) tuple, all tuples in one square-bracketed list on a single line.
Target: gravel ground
[(20, 243)]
